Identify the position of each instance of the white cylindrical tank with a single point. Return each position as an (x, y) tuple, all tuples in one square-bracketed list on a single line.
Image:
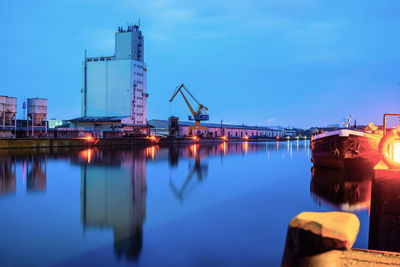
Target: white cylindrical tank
[(10, 109), (37, 110), (3, 100)]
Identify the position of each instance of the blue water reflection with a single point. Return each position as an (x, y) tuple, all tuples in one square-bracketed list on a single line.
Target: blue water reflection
[(225, 204)]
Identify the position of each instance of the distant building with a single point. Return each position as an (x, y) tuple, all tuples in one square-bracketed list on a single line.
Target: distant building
[(53, 123), (117, 85), (290, 132)]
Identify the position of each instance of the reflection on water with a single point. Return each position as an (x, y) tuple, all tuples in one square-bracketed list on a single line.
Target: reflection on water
[(346, 190), (197, 169), (102, 195), (36, 168), (7, 176), (114, 195)]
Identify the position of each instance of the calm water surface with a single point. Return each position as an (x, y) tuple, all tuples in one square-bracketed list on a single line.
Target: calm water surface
[(228, 204)]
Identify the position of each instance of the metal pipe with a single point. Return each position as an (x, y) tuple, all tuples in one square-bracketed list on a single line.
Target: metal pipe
[(384, 120), (33, 119)]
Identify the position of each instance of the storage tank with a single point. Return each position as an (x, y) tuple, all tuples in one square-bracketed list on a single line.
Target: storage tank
[(10, 109), (37, 110), (3, 100)]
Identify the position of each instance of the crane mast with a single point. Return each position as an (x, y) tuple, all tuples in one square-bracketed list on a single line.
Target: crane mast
[(199, 115)]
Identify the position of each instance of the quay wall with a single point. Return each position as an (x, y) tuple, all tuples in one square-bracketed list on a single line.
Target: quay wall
[(49, 143), (139, 141)]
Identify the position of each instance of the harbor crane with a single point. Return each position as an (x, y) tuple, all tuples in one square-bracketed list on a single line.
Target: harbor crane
[(199, 115)]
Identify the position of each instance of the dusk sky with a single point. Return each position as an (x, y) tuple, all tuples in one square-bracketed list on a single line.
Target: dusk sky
[(282, 62)]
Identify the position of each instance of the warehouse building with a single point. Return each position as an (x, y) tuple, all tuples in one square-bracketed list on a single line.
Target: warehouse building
[(161, 127)]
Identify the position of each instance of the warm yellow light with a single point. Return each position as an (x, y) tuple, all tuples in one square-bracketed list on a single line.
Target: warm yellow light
[(389, 148), (396, 151)]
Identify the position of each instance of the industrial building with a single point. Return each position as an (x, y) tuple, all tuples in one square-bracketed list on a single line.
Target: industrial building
[(116, 86), (162, 127)]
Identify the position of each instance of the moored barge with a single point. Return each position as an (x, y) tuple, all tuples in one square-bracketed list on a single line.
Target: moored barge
[(345, 148)]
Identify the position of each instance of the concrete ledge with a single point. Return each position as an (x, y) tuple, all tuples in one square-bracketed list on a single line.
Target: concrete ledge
[(354, 257), (76, 142)]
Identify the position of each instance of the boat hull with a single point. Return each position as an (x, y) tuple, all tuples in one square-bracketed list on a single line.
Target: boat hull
[(344, 149)]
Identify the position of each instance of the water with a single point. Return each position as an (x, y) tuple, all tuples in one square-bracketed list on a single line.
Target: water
[(228, 204)]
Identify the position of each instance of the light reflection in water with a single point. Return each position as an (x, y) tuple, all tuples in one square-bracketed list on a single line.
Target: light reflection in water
[(245, 147), (113, 182)]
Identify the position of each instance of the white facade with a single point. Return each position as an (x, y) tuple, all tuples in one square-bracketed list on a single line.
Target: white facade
[(117, 85)]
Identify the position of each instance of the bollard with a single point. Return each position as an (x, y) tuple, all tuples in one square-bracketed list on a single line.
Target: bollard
[(313, 233)]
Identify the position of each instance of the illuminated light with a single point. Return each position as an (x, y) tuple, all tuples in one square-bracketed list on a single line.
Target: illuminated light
[(245, 147), (246, 137), (193, 149), (277, 137), (87, 154), (194, 137), (224, 137), (389, 148), (153, 152), (89, 138), (223, 147)]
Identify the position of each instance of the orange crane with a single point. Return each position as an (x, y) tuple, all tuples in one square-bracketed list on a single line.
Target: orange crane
[(199, 115)]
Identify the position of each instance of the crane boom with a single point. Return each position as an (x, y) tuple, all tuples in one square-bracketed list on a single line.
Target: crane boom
[(198, 115)]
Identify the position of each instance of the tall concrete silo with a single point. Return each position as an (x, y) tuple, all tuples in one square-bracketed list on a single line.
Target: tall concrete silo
[(37, 111), (8, 112)]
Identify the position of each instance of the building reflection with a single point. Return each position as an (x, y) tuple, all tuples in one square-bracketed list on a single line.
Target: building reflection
[(114, 195), (384, 224), (346, 190), (36, 178), (7, 176)]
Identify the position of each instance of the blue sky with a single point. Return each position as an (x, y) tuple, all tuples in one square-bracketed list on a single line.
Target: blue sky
[(281, 62)]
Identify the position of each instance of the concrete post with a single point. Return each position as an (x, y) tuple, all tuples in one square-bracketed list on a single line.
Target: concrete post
[(45, 124)]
